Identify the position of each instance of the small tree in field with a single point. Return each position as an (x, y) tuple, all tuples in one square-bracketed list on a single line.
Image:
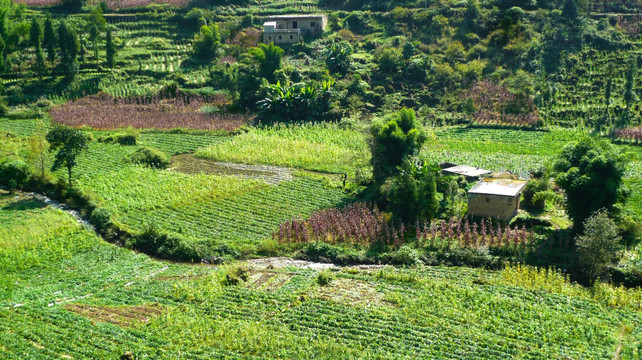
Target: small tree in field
[(38, 147), (69, 143), (598, 247)]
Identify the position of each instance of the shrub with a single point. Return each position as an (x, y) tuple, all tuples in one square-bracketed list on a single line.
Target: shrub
[(150, 157), (324, 278), (533, 187), (101, 219), (598, 247), (126, 139), (16, 170)]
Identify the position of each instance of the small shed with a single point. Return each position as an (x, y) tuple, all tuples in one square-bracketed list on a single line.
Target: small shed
[(495, 198), (469, 172)]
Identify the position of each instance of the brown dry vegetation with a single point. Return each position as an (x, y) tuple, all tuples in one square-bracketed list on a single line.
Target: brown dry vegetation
[(105, 112), (123, 316)]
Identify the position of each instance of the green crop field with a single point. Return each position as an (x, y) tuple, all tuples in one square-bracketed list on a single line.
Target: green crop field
[(101, 301), (173, 188), (322, 147)]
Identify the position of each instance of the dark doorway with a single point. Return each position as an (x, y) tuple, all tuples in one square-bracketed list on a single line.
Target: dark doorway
[(295, 24)]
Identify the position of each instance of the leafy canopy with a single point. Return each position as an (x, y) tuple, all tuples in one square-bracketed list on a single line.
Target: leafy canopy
[(393, 139), (598, 247), (590, 171), (69, 143)]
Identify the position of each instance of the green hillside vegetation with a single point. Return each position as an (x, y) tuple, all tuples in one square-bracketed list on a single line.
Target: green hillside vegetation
[(193, 149)]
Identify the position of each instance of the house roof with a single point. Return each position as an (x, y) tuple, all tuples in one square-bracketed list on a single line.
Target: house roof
[(271, 17), (502, 187), (269, 23), (466, 170)]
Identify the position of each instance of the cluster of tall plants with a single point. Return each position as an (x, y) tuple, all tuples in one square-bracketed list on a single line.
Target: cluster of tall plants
[(463, 233), (299, 101), (358, 223)]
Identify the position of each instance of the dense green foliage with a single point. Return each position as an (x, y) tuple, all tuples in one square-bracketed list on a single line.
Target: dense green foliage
[(68, 144), (150, 157), (590, 172), (598, 247), (394, 139)]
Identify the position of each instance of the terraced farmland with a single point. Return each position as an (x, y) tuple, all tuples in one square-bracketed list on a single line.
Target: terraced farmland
[(101, 302), (245, 218)]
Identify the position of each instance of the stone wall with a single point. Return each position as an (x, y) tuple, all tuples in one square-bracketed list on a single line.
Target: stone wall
[(282, 37), (494, 206)]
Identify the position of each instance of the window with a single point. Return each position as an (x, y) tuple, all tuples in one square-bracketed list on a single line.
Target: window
[(280, 37), (295, 25), (487, 200), (269, 38), (510, 201), (291, 37), (313, 24)]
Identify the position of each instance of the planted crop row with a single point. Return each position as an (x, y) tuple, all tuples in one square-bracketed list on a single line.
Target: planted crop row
[(263, 210)]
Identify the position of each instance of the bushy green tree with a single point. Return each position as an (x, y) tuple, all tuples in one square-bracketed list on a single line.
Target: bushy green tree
[(269, 58), (590, 171), (393, 139), (69, 46), (68, 143), (207, 42), (598, 247), (570, 11), (412, 195)]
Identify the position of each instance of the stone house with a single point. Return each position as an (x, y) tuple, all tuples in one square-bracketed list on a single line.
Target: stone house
[(495, 198), (288, 29)]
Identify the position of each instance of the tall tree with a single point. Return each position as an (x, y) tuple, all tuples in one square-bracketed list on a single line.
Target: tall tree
[(393, 139), (35, 36), (110, 50), (50, 39), (69, 46), (93, 36), (69, 143)]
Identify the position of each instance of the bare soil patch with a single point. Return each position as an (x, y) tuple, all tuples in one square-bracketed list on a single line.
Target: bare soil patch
[(123, 316), (189, 164)]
